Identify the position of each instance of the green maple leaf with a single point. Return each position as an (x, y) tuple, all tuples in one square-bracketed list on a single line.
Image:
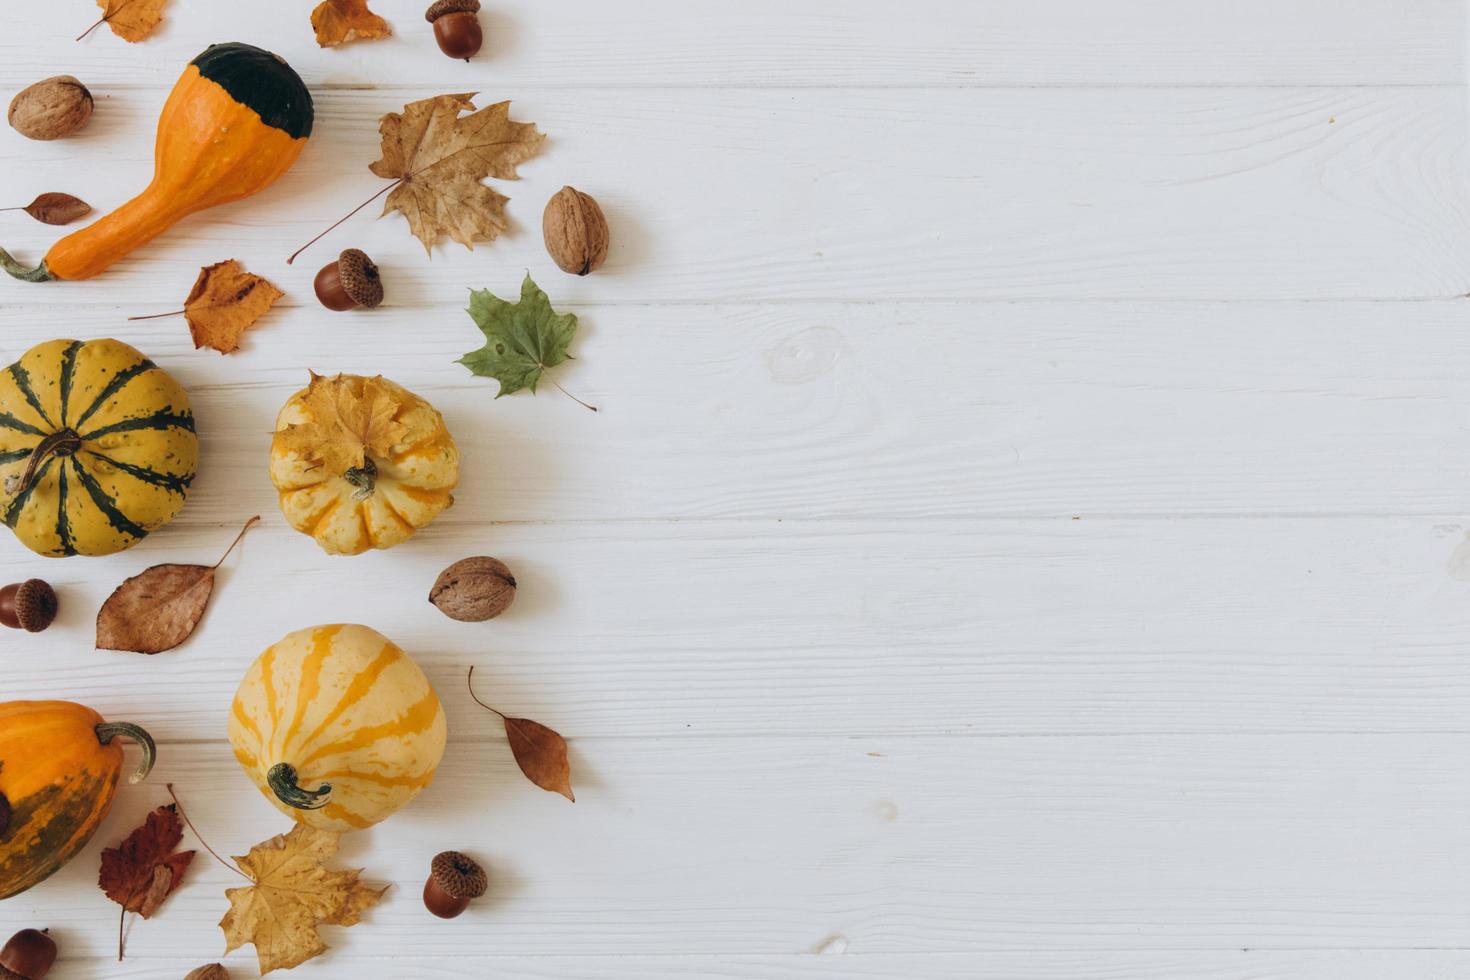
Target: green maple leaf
[(521, 339)]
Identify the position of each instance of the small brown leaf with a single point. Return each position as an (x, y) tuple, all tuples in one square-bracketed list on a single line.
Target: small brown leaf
[(540, 752), (55, 208), (158, 608), (224, 302), (542, 755), (143, 870), (131, 20), (339, 21)]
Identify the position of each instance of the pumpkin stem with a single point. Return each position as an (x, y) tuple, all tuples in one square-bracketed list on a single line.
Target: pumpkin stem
[(109, 730), (364, 477), (39, 274), (282, 780), (62, 443)]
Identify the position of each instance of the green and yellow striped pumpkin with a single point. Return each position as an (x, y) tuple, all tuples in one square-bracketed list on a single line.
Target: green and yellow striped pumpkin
[(97, 447), (337, 726)]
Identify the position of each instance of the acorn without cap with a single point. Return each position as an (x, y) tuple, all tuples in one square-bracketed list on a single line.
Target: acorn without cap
[(350, 281), (456, 27), (28, 605), (28, 955), (454, 881)]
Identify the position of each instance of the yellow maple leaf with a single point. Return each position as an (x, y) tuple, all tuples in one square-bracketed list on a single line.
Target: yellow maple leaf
[(438, 159), (131, 20), (348, 418), (224, 302), (340, 21), (293, 894)]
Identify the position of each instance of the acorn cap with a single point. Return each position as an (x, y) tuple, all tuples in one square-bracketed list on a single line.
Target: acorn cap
[(35, 605), (458, 875), (443, 7), (360, 278)]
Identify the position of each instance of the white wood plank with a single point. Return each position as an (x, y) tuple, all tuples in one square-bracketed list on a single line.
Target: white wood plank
[(813, 42), (887, 410), (831, 965), (769, 846), (868, 195), (991, 628)]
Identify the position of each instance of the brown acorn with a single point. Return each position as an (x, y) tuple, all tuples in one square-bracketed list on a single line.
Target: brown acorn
[(456, 27), (350, 281), (28, 605), (28, 955), (454, 881)]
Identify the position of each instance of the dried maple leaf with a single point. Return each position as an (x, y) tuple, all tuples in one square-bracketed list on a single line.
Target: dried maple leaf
[(291, 896), (438, 158), (131, 20), (540, 752), (350, 418), (522, 339), (339, 21), (143, 870), (158, 608), (55, 208), (225, 301)]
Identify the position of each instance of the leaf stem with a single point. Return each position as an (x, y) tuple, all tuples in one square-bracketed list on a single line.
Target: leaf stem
[(229, 864), (248, 525), (573, 397), (342, 219), (100, 21), (470, 680), (156, 316), (121, 918)]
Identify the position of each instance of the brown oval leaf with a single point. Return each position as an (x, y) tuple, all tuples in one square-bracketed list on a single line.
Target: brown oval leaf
[(542, 755), (56, 208), (158, 608)]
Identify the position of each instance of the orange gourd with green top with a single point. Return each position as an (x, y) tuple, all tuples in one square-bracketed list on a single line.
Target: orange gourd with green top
[(59, 768), (235, 122)]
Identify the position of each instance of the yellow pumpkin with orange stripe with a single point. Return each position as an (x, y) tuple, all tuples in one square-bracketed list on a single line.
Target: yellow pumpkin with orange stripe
[(337, 726), (361, 463)]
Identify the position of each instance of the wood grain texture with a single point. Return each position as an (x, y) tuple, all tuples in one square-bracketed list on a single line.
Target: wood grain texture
[(873, 195), (1055, 843), (814, 42), (744, 628)]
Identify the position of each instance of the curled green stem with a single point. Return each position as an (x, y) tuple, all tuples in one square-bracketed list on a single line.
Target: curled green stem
[(109, 730), (282, 780), (38, 274)]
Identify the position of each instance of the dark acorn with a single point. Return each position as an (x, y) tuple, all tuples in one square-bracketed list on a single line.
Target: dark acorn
[(349, 282), (454, 881), (456, 27), (28, 955), (28, 605)]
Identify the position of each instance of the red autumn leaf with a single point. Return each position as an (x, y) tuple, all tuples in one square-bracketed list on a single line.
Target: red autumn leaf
[(143, 870)]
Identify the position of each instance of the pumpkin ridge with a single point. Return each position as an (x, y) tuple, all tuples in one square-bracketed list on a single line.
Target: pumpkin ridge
[(63, 520), (417, 718), (339, 812), (246, 722), (339, 776), (115, 385), (68, 374), (105, 504), (359, 688), (367, 525), (13, 512), (268, 681), (163, 419), (320, 517), (8, 421), (309, 685), (22, 379), (169, 481), (393, 511)]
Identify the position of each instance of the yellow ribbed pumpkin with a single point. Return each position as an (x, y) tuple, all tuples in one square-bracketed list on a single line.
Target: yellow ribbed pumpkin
[(97, 447), (397, 489), (337, 726), (59, 766)]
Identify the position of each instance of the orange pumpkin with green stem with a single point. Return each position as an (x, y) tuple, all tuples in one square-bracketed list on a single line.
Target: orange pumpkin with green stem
[(235, 122)]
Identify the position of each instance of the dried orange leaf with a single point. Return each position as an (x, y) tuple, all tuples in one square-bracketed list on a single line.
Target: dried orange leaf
[(55, 208), (540, 752), (225, 301), (131, 20), (351, 418), (293, 893), (340, 21), (439, 158), (158, 608)]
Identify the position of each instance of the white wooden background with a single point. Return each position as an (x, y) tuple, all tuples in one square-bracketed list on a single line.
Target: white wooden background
[(1027, 533)]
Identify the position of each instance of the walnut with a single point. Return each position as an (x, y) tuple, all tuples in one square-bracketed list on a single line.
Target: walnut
[(575, 230), (212, 971), (473, 590), (51, 109)]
